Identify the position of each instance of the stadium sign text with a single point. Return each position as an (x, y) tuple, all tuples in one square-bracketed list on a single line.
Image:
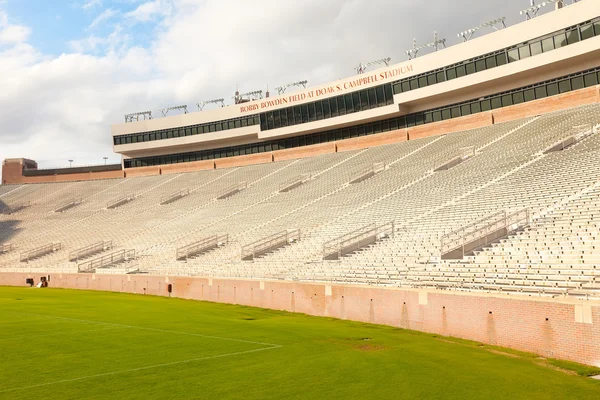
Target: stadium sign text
[(316, 93)]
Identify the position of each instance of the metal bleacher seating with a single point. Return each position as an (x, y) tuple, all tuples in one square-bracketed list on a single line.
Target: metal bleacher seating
[(508, 168)]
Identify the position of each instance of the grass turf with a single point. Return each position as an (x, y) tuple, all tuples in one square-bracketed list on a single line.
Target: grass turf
[(61, 344)]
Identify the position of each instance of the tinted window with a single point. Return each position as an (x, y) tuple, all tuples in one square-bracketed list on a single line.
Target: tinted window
[(470, 68), (560, 40), (431, 79), (356, 101), (440, 76), (573, 36), (389, 97), (501, 59), (460, 71), (451, 73), (326, 109), (529, 95), (312, 115), (577, 83), (552, 89), (590, 79), (536, 48), (422, 81), (348, 101), (524, 52), (480, 65), (513, 55), (564, 86), (540, 92), (587, 31), (548, 44), (380, 96), (372, 99), (490, 62)]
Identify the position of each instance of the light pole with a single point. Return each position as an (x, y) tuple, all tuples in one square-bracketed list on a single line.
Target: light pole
[(105, 158), (70, 163)]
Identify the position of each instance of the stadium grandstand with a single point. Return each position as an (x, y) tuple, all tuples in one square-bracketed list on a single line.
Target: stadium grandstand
[(466, 178)]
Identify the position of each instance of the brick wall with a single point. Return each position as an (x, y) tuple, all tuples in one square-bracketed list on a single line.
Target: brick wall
[(379, 139), (187, 167), (567, 100), (546, 327), (304, 152), (142, 171), (450, 126), (239, 161)]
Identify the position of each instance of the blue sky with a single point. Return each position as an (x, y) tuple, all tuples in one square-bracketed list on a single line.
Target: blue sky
[(69, 69), (57, 23)]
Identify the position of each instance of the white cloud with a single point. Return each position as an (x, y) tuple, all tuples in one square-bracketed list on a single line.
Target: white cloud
[(151, 10), (12, 34), (103, 17), (53, 108), (91, 4)]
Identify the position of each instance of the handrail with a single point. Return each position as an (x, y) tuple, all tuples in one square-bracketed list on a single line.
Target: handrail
[(231, 190), (484, 227), (107, 260), (90, 250), (254, 249), (168, 199), (183, 253), (72, 203), (6, 247), (355, 240), (297, 180), (120, 201), (7, 210), (40, 251), (367, 172)]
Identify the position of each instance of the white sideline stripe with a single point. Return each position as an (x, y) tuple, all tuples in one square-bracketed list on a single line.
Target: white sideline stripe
[(61, 333), (150, 329), (139, 369)]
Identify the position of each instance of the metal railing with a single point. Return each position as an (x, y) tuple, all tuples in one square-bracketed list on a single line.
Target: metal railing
[(40, 251), (7, 210), (456, 158), (6, 247), (294, 182), (483, 232), (265, 245), (90, 250), (174, 197), (120, 201), (368, 172), (190, 250), (117, 271), (107, 260), (231, 190), (357, 240), (72, 203)]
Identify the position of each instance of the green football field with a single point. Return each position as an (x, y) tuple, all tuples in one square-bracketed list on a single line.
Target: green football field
[(61, 344)]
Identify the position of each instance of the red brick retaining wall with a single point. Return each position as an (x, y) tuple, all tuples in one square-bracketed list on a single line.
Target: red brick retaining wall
[(564, 329)]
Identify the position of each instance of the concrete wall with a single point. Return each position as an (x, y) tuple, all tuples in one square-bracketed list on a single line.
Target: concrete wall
[(562, 329)]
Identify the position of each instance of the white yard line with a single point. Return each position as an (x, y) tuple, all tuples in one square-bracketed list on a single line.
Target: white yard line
[(151, 329), (138, 369)]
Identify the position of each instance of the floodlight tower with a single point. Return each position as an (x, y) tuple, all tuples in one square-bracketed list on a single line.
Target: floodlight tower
[(497, 24), (281, 89), (534, 9), (165, 111), (136, 116), (437, 43), (249, 96), (201, 105), (360, 69)]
